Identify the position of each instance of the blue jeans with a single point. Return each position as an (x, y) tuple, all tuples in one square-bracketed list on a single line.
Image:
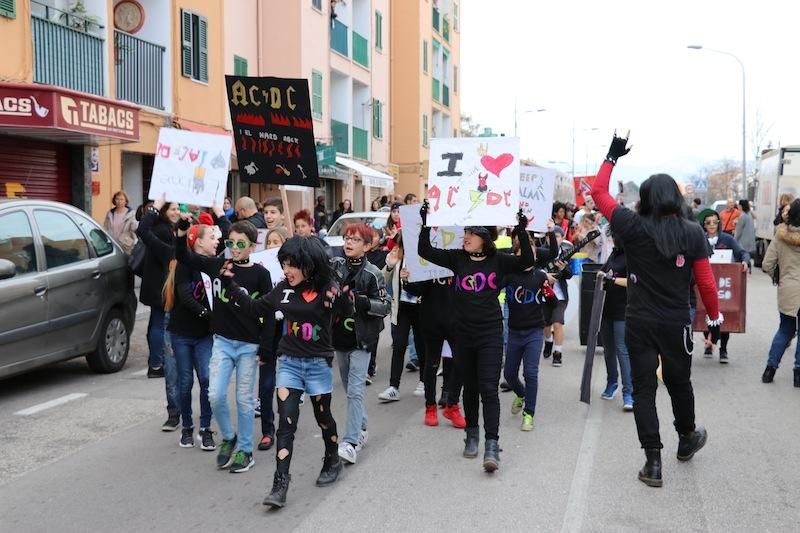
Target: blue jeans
[(193, 356), (787, 329), (613, 334), (226, 355), (353, 367), (156, 326), (412, 348), (524, 346), (504, 308), (313, 375)]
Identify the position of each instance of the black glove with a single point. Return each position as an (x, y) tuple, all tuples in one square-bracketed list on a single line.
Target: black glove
[(362, 303), (423, 212), (617, 149), (522, 222), (184, 224), (714, 333)]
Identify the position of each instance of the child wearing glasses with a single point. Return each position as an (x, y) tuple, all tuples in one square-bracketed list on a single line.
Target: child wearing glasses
[(239, 340)]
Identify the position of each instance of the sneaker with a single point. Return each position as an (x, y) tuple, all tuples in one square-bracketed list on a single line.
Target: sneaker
[(723, 357), (504, 386), (207, 440), (517, 405), (420, 390), (302, 399), (412, 366), (348, 453), (548, 349), (242, 462), (431, 416), (173, 423), (266, 442), (225, 454), (363, 437), (187, 438), (369, 380), (453, 414), (610, 392), (258, 407), (155, 372), (331, 467), (708, 352), (556, 358), (389, 395), (627, 402), (527, 422)]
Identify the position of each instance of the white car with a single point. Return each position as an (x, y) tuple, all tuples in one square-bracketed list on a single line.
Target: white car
[(373, 219)]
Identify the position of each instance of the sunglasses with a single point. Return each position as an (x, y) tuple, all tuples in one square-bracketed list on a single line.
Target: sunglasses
[(711, 222), (229, 243)]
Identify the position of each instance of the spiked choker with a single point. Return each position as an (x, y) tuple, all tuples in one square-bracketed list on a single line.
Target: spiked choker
[(241, 261), (477, 254), (355, 261)]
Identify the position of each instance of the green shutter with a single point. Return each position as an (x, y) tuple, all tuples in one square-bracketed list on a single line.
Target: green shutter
[(424, 56), (378, 30), (202, 37), (8, 9), (380, 119), (187, 51), (377, 118), (424, 129), (239, 66), (455, 79), (316, 94)]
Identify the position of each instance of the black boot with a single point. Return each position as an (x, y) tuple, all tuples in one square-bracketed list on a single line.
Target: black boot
[(280, 486), (769, 375), (691, 443), (797, 377), (491, 457), (650, 474), (331, 467), (471, 443)]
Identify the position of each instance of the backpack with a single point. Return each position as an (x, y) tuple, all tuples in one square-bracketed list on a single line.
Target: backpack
[(136, 259)]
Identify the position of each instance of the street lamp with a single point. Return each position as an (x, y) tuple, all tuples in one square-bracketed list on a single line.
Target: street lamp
[(517, 113), (744, 110), (573, 147)]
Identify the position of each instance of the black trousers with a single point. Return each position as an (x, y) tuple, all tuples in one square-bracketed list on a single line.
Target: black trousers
[(479, 361), (646, 341), (407, 320), (434, 341), (723, 339)]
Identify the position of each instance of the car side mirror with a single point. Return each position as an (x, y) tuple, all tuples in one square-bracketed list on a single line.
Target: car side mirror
[(7, 269)]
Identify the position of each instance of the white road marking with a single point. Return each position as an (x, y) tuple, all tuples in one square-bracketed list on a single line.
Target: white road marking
[(578, 499), (52, 403), (139, 373)]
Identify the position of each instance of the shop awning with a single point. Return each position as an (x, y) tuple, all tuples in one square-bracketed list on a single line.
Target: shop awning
[(369, 176)]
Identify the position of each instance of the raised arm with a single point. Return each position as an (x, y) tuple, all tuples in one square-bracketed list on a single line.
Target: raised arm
[(525, 259), (602, 199), (443, 258), (209, 265), (156, 246)]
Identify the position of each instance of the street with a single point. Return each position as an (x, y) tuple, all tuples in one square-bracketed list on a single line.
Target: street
[(99, 461)]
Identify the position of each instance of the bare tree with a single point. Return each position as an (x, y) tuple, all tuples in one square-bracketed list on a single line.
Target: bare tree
[(469, 128), (722, 180)]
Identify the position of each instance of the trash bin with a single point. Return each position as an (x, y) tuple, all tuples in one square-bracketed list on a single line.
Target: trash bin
[(588, 278)]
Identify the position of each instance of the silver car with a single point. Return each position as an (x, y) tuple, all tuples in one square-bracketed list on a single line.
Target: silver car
[(65, 289), (373, 219)]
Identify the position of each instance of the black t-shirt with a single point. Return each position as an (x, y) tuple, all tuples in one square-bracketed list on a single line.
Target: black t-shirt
[(524, 298), (191, 303), (658, 287), (616, 296)]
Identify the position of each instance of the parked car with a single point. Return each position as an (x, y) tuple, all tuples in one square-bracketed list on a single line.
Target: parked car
[(373, 219), (65, 289)]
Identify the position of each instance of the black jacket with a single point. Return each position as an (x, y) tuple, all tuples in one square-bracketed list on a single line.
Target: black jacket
[(367, 280), (159, 239), (257, 219)]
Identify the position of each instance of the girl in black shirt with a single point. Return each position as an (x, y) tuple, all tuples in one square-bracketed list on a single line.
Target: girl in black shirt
[(612, 329), (478, 272)]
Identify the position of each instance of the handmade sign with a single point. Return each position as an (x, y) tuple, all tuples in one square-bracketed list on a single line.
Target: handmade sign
[(273, 130), (536, 185), (583, 185), (473, 181), (732, 293), (190, 167), (269, 260), (450, 238), (721, 256)]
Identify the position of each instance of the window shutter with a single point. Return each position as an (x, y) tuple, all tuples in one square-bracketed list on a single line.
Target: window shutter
[(378, 30), (202, 37), (239, 66), (8, 8), (425, 56), (455, 79), (188, 43), (316, 94), (424, 130), (455, 17), (376, 118)]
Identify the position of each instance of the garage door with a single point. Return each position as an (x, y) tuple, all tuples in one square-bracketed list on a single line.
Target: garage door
[(35, 169)]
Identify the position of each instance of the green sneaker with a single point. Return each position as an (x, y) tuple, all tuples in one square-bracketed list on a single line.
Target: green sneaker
[(516, 407), (225, 454), (527, 422)]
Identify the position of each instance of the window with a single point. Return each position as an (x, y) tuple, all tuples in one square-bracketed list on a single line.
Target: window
[(317, 4), (424, 56), (62, 240), (455, 79), (455, 16), (377, 118), (100, 240), (424, 129), (239, 66), (378, 30), (194, 52), (316, 94), (16, 242), (8, 9)]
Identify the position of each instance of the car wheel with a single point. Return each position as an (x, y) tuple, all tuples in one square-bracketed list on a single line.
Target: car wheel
[(112, 345)]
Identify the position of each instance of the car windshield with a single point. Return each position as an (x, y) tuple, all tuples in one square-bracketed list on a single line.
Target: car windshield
[(338, 228)]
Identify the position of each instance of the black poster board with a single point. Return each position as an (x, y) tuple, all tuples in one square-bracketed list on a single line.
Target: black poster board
[(273, 130)]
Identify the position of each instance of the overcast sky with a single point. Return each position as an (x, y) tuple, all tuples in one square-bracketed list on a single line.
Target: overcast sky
[(624, 64)]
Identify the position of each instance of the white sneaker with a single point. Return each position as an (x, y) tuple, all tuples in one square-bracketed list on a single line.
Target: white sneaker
[(362, 440), (420, 390), (389, 395), (347, 452)]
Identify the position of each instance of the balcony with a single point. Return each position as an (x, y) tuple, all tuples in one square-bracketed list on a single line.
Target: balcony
[(435, 19), (360, 143), (446, 95), (446, 29), (339, 37), (360, 50), (139, 67), (65, 54), (340, 131), (436, 92)]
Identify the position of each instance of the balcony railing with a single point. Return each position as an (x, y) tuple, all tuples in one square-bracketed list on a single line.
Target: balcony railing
[(436, 93), (67, 56), (360, 143), (339, 37), (435, 19), (446, 95), (360, 49), (446, 29), (340, 131), (139, 67)]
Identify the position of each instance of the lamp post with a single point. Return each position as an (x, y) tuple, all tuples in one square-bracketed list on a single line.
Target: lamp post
[(744, 111), (573, 147), (517, 113)]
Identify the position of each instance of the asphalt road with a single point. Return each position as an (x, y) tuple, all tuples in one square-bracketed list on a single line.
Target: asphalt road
[(97, 460)]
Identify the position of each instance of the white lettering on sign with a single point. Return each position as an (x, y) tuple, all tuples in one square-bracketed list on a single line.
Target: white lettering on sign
[(725, 282)]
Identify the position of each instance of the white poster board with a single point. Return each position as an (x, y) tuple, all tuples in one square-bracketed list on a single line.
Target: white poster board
[(536, 185), (269, 260), (721, 256), (449, 238), (473, 181), (191, 167)]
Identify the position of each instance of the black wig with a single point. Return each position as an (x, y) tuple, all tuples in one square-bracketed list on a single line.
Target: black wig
[(664, 214), (308, 254)]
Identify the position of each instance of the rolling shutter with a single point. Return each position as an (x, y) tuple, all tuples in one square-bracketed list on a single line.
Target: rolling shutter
[(42, 169)]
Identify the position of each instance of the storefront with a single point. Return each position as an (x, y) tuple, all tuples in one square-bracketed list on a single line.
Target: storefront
[(47, 140)]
